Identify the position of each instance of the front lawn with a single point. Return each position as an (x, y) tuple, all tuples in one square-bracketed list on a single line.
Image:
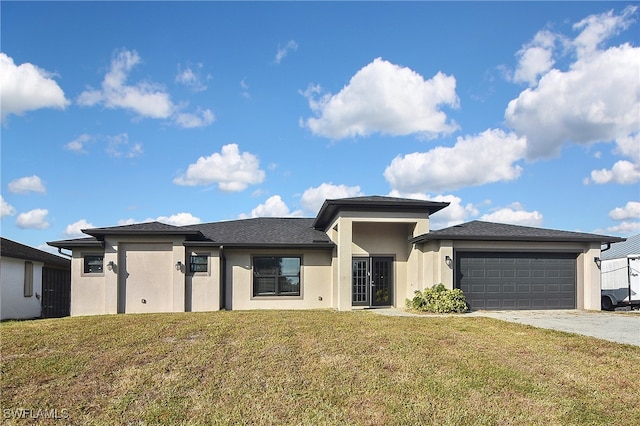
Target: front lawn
[(311, 367)]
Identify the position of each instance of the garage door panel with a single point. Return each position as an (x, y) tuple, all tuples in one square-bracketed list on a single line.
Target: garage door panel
[(493, 288), (517, 280), (509, 288)]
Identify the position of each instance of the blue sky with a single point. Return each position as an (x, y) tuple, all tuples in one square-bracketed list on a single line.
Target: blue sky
[(116, 113)]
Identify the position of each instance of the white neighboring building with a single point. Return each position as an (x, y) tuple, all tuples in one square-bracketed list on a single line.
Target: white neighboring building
[(620, 269), (21, 281)]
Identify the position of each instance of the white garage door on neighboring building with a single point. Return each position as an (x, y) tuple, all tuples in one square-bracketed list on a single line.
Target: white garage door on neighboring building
[(503, 281)]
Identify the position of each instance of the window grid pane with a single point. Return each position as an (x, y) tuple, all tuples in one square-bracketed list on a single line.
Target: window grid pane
[(93, 264), (199, 263), (276, 276)]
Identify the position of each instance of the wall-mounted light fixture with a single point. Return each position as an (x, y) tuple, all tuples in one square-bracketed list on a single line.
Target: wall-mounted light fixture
[(178, 266), (597, 261), (449, 261), (111, 265)]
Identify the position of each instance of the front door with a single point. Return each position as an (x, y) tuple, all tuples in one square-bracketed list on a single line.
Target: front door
[(372, 283)]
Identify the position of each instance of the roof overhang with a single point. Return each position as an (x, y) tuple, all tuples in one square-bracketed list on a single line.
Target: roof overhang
[(331, 208), (178, 232), (426, 237), (284, 246), (77, 243), (490, 231)]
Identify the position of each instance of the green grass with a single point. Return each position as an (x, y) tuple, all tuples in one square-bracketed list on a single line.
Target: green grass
[(312, 367)]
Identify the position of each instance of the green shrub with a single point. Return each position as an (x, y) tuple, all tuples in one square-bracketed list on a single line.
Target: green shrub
[(438, 299)]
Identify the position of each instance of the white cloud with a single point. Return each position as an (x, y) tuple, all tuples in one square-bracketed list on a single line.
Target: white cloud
[(474, 160), (193, 79), (454, 214), (535, 58), (273, 207), (27, 184), (623, 228), (118, 146), (6, 209), (75, 229), (245, 89), (188, 120), (179, 219), (514, 215), (144, 98), (630, 211), (580, 105), (34, 219), (78, 144), (313, 198), (629, 146), (284, 51), (26, 88), (595, 29), (622, 172), (384, 98), (231, 170)]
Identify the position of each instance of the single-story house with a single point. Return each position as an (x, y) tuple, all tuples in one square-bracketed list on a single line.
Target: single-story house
[(357, 252), (33, 283)]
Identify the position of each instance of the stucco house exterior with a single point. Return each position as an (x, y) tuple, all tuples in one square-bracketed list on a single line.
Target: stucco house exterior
[(357, 252), (33, 283)]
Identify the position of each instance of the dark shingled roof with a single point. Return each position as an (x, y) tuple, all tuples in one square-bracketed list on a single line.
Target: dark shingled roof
[(146, 228), (264, 231), (16, 250), (489, 231), (77, 242), (330, 208), (258, 232)]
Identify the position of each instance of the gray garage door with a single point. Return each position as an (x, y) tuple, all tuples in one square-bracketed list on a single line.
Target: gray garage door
[(517, 280)]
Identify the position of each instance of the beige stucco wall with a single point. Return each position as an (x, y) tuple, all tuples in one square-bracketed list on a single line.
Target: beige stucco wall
[(144, 272), (587, 274), (203, 288), (316, 289), (87, 291), (376, 234)]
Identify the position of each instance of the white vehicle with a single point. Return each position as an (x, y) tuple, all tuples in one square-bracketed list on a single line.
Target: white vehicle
[(620, 282)]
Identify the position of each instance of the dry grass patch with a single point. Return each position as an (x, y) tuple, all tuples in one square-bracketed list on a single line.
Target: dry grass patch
[(313, 367)]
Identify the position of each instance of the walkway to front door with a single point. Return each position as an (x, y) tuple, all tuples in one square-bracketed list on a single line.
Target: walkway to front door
[(372, 283)]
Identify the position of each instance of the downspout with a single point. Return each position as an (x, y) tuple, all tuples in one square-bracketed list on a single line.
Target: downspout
[(63, 254), (223, 281)]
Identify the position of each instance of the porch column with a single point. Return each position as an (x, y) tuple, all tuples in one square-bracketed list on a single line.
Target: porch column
[(345, 237)]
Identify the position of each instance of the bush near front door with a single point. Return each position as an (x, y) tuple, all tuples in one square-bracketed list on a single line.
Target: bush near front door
[(438, 299)]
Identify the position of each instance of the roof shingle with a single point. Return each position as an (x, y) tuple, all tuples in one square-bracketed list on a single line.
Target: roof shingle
[(489, 231), (9, 248)]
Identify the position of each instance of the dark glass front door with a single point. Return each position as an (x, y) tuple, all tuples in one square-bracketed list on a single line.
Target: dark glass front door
[(372, 283)]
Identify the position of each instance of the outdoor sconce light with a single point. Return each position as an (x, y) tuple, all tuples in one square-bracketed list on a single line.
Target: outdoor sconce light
[(178, 266), (597, 261), (111, 265), (449, 261)]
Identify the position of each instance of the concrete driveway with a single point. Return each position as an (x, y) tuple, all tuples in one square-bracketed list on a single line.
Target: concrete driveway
[(620, 327)]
